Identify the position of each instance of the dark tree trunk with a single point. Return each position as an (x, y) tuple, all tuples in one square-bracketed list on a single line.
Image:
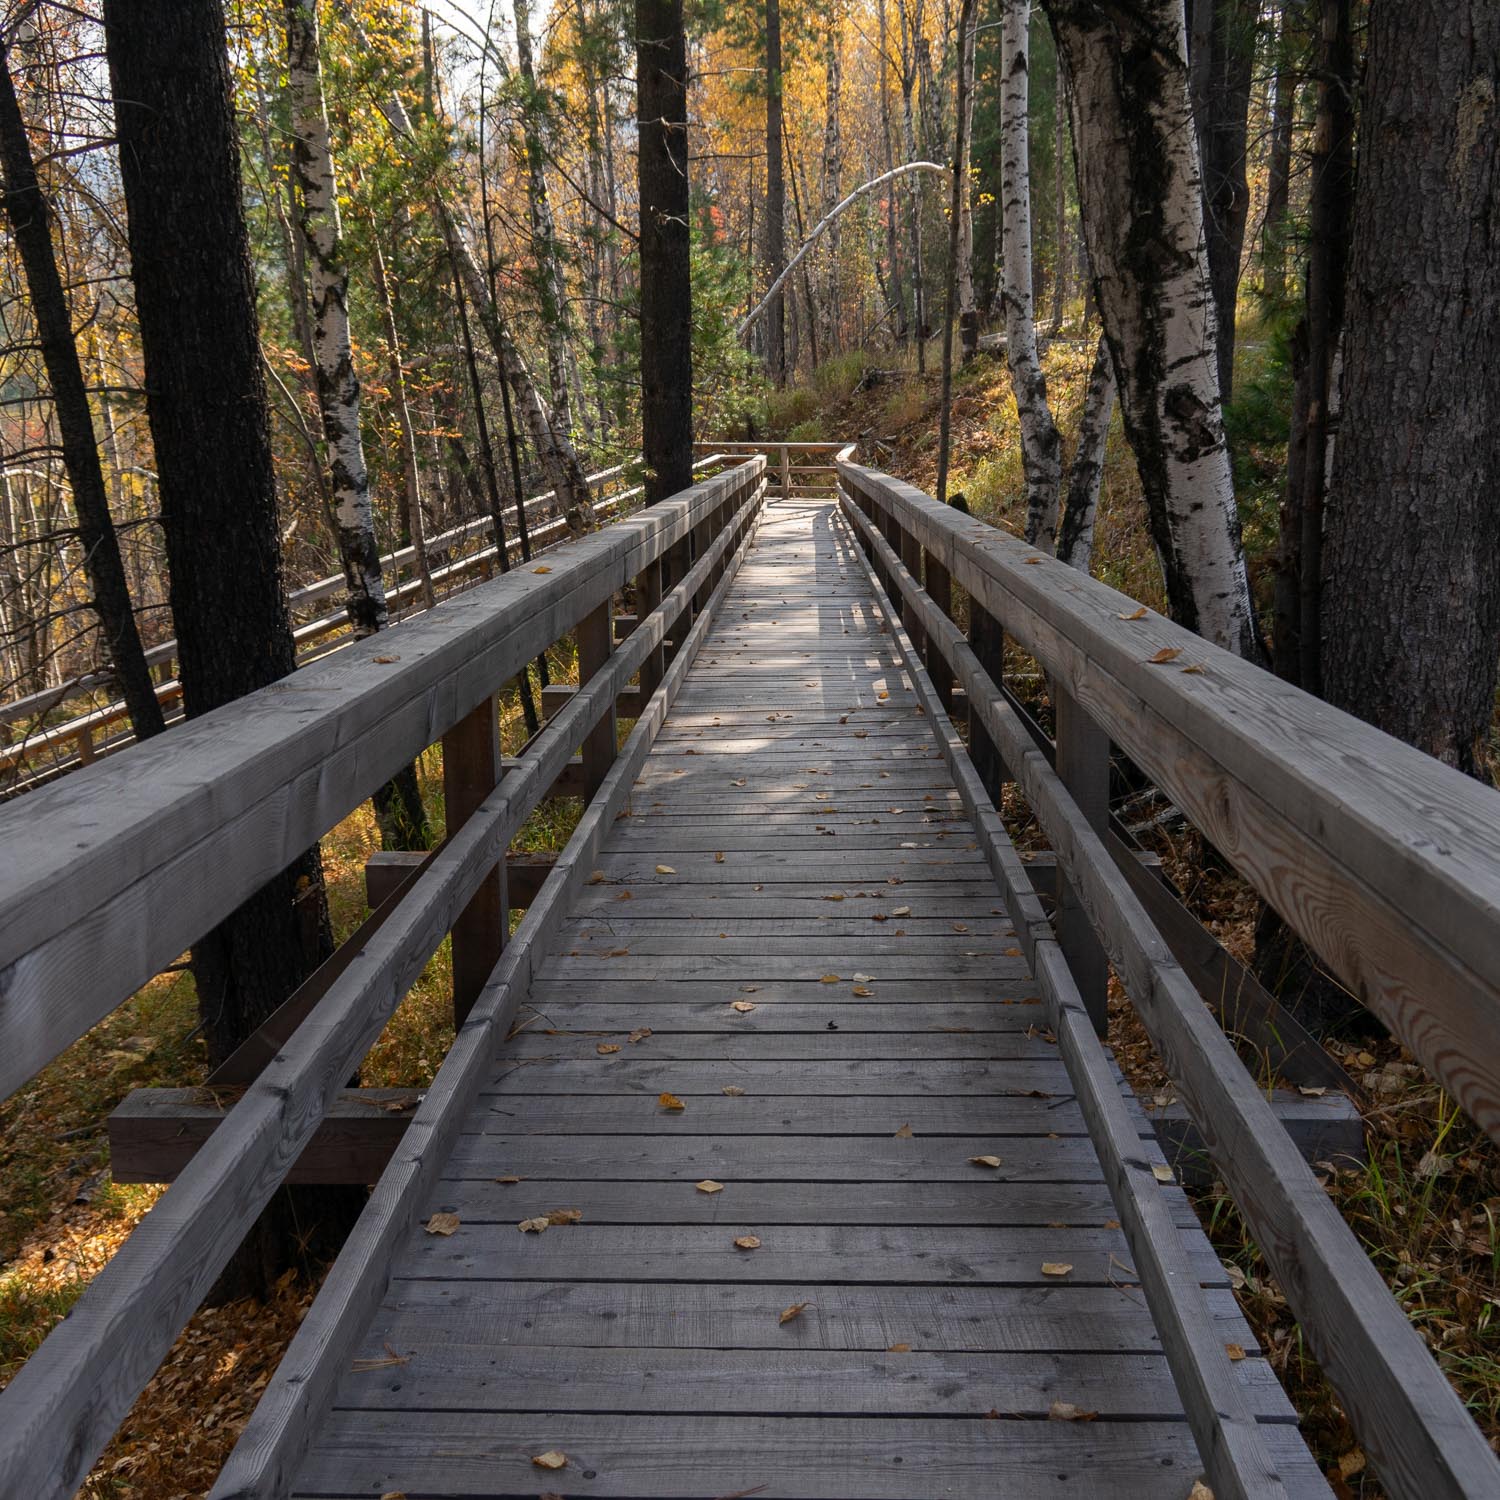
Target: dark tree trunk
[(666, 265), (1279, 165), (206, 402), (1411, 596), (1330, 226), (29, 217), (1223, 52), (773, 250)]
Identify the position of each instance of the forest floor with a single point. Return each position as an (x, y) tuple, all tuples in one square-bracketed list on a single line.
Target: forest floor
[(1427, 1208)]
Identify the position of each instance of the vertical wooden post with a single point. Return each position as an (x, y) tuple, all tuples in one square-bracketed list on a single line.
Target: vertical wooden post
[(988, 641), (940, 591), (595, 642), (786, 474), (676, 561), (647, 598), (471, 770), (1083, 767), (911, 560)]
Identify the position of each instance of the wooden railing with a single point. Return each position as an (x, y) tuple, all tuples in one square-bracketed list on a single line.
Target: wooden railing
[(109, 876), (1384, 860), (48, 750)]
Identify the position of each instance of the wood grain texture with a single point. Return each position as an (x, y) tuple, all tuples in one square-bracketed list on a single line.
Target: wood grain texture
[(833, 1119), (1402, 1406)]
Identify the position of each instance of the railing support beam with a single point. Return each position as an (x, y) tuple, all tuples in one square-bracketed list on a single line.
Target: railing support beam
[(471, 769)]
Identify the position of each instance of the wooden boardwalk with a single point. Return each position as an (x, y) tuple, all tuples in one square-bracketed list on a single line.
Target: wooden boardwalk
[(793, 934)]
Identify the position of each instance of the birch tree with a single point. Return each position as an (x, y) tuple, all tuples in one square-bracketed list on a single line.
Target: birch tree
[(333, 354), (1041, 444), (963, 270), (1140, 188), (550, 282), (1075, 531)]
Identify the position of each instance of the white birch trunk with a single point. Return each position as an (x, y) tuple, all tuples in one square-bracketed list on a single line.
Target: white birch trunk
[(1140, 188), (333, 356), (1041, 446), (1075, 532), (968, 311), (549, 271)]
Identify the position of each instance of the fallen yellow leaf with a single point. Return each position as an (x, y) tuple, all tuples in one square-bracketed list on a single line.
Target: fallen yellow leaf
[(708, 1185), (904, 1134), (543, 569), (1163, 1174), (747, 1242), (834, 896), (597, 878), (509, 1181), (1136, 614), (1056, 1267), (1200, 1491), (442, 1223), (552, 1459), (794, 1311), (732, 1089), (670, 1101), (742, 1005), (719, 857), (862, 992), (901, 911), (1065, 1411), (1167, 653), (665, 870), (385, 661), (564, 1215), (1236, 1352), (899, 1349), (605, 1048), (539, 1225), (639, 1034), (829, 979), (985, 1161)]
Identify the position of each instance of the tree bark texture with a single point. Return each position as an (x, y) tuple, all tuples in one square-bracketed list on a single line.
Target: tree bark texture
[(333, 353), (1041, 445), (552, 291), (968, 309), (29, 216), (773, 228), (1075, 532), (1411, 596), (1223, 54), (1139, 186), (666, 264), (210, 429)]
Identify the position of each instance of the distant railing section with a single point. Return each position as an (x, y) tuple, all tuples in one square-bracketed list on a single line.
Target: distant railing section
[(1386, 861), (45, 751), (110, 876)]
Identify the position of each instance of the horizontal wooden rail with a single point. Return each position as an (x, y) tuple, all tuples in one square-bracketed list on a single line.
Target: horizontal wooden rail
[(312, 638), (113, 875), (1225, 1429), (297, 763), (1403, 1408), (264, 1461)]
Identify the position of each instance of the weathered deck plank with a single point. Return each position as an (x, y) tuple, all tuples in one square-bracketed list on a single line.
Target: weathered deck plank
[(840, 1115)]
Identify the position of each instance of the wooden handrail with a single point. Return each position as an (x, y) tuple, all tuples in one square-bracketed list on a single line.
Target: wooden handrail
[(189, 823), (113, 875), (1221, 739)]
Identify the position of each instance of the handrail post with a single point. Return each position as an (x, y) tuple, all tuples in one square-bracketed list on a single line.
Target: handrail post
[(939, 583), (595, 642), (1083, 767), (988, 642), (471, 770), (910, 550), (786, 474), (647, 598)]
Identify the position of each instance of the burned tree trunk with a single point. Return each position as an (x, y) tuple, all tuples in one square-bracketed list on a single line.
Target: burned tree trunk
[(210, 427), (29, 217), (1411, 589), (666, 266)]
